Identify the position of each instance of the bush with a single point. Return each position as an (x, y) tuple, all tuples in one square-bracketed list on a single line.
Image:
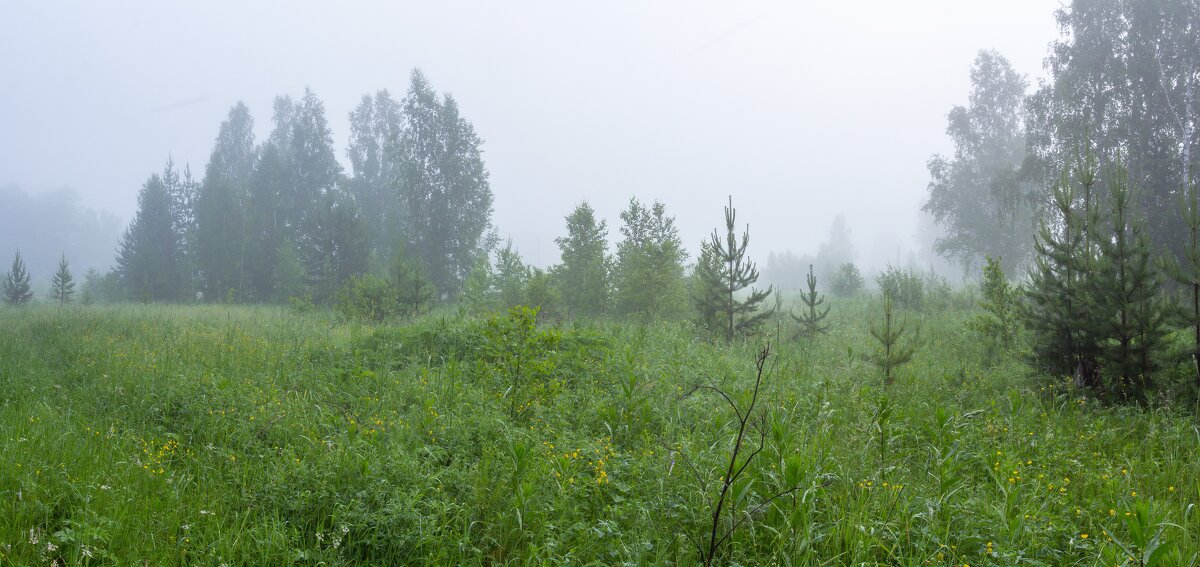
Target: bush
[(847, 281), (906, 287), (366, 298)]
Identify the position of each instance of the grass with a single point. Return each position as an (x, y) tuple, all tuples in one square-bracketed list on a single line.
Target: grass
[(255, 435)]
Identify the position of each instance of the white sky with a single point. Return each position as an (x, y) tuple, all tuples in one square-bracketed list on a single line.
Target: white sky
[(800, 110)]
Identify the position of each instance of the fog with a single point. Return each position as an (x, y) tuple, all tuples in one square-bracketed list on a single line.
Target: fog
[(800, 111)]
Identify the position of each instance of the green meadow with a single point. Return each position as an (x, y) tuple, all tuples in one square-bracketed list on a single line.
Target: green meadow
[(176, 435)]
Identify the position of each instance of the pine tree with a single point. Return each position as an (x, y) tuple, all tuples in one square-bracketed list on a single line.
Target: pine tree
[(1128, 312), (706, 292), (1187, 274), (736, 273), (891, 355), (811, 321), (997, 325), (16, 288), (62, 284), (1056, 303)]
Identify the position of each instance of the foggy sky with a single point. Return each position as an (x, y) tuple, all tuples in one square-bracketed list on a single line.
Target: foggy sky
[(800, 110)]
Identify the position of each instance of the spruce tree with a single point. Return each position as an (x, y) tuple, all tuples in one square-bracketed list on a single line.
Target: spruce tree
[(735, 273), (150, 263), (16, 288), (62, 284), (811, 320)]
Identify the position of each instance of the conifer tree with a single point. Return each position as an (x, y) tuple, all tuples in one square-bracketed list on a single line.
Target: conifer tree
[(149, 257), (735, 274), (811, 321), (16, 288), (62, 284), (997, 325), (891, 354), (1056, 302), (1187, 274), (1128, 312)]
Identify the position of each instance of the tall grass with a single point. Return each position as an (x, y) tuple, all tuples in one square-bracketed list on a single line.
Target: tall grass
[(214, 435)]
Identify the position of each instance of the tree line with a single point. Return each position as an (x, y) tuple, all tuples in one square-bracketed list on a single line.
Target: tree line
[(1122, 81), (280, 219)]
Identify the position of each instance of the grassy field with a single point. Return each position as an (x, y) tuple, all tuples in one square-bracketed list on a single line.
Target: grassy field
[(235, 436)]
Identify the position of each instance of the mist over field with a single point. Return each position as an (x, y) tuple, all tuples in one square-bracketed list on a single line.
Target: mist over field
[(801, 112), (535, 283)]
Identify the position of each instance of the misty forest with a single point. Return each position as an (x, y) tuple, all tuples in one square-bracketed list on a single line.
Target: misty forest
[(320, 347)]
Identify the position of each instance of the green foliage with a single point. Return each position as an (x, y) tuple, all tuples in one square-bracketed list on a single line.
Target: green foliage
[(523, 358), (977, 196), (366, 298), (1055, 298), (333, 247), (1187, 273), (722, 273), (511, 277), (150, 260), (997, 325), (891, 354), (811, 321), (905, 287), (478, 295), (1095, 307), (1126, 304), (847, 281), (413, 292), (62, 284), (542, 294), (585, 275), (16, 288), (396, 444), (375, 124), (1122, 80), (445, 198), (219, 235), (649, 271)]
